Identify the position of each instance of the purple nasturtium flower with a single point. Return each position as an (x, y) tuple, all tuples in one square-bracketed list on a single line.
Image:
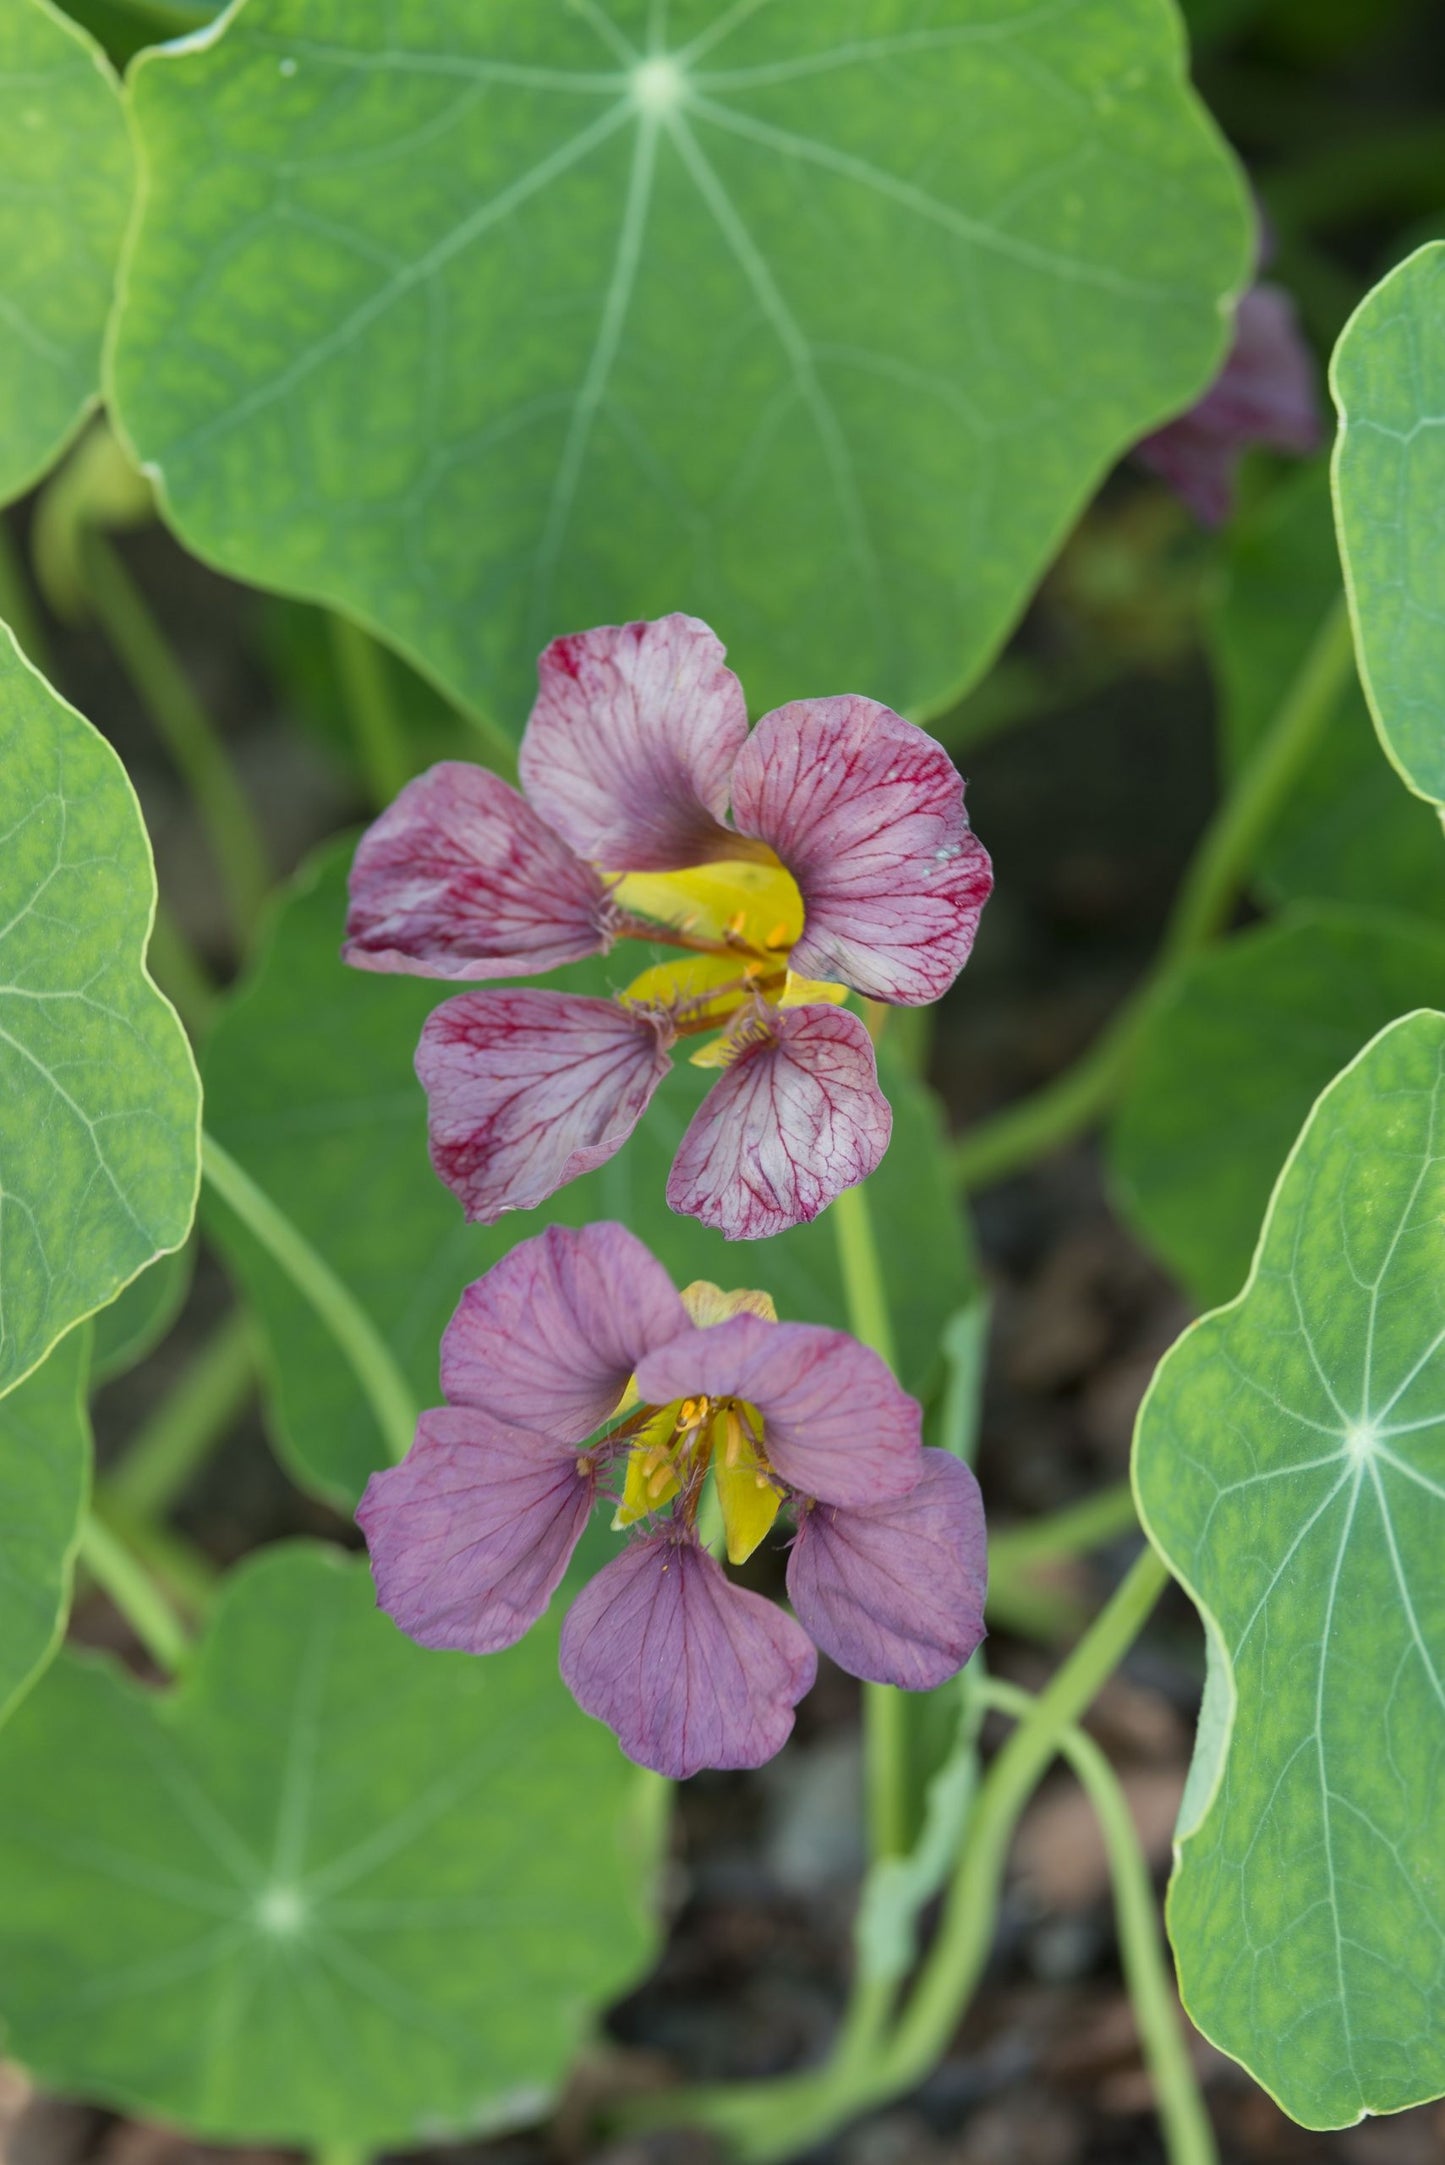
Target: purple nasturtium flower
[(574, 1370), (825, 850), (1264, 394)]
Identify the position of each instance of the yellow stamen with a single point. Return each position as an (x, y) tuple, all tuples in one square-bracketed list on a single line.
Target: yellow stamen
[(780, 936)]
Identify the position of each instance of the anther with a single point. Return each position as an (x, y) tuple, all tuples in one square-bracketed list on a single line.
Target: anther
[(778, 937)]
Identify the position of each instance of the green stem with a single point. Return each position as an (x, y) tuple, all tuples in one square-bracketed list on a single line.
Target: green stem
[(372, 1362), (773, 2120), (1054, 1115), (885, 1741), (380, 743), (183, 1571), (206, 1402), (1188, 2136), (1066, 1533), (139, 1601), (184, 727), (172, 964)]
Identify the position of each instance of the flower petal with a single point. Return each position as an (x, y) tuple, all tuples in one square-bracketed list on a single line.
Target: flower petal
[(631, 744), (1264, 394), (795, 1119), (894, 1591), (550, 1336), (459, 878), (836, 1423), (866, 812), (527, 1090), (470, 1535), (687, 1669)]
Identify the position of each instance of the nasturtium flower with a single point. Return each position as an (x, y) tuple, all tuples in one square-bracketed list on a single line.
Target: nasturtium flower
[(575, 1372), (826, 850), (1264, 394)]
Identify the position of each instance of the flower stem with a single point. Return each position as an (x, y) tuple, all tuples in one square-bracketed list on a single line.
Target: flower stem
[(162, 1456), (774, 2120), (17, 605), (1054, 1115), (111, 1564), (371, 1360), (1066, 1533), (1188, 2137), (184, 727), (380, 741), (885, 1715)]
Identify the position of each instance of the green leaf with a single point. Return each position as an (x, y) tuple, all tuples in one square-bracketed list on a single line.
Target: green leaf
[(332, 1889), (66, 175), (310, 1086), (1388, 380), (498, 323), (99, 1099), (44, 1482), (1288, 1465), (139, 1317), (1348, 832), (1230, 1062)]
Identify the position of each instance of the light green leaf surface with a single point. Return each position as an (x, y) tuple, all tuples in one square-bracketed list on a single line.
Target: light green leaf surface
[(1388, 380), (488, 322), (138, 1318), (1290, 1466), (1348, 832), (66, 175), (1233, 1058), (333, 1889), (44, 1482), (99, 1100), (310, 1085)]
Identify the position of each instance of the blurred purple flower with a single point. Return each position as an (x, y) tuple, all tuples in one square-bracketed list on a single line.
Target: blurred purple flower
[(826, 850), (1264, 394), (573, 1370)]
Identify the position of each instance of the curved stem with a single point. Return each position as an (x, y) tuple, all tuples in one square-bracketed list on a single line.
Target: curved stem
[(136, 1596), (184, 727), (1220, 865), (1069, 1532), (371, 1359), (1188, 2136), (773, 2120)]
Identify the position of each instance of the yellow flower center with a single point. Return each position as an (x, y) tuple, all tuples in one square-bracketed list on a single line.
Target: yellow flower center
[(676, 1447), (745, 917)]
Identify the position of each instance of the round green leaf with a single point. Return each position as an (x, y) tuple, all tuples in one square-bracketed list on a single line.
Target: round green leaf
[(1388, 380), (44, 1482), (1290, 1467), (309, 1083), (99, 1097), (332, 1889), (66, 174), (1348, 832), (502, 321), (1232, 1059)]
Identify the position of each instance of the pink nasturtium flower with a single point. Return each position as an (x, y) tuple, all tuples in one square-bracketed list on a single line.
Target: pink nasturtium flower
[(574, 1370), (1264, 394), (826, 850)]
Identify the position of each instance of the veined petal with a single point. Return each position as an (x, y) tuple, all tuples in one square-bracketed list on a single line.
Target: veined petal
[(548, 1338), (866, 812), (470, 1535), (459, 878), (795, 1119), (894, 1592), (685, 1668), (527, 1090), (630, 746), (836, 1423)]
